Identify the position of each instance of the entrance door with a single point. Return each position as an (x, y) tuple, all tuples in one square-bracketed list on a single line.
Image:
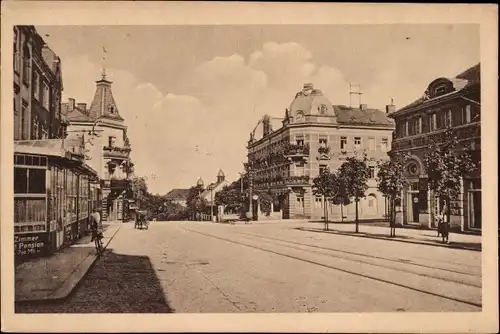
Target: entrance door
[(476, 214), (415, 207)]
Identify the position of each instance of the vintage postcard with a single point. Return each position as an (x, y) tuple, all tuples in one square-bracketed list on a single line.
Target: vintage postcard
[(263, 167)]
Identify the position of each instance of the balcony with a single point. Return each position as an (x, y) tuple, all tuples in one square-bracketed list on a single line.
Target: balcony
[(463, 132), (296, 151), (299, 181), (324, 150), (116, 152)]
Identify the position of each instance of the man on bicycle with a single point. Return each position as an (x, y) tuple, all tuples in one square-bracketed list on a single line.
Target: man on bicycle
[(95, 225)]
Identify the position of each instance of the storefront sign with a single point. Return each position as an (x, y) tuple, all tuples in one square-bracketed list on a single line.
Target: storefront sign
[(30, 244)]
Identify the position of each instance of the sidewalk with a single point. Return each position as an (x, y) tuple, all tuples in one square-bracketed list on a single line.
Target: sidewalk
[(414, 236), (55, 277)]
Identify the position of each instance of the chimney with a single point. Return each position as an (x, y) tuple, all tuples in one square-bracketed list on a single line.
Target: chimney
[(363, 107), (71, 104), (82, 107), (390, 108), (266, 122)]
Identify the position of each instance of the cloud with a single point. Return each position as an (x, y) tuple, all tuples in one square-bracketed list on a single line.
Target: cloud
[(205, 123)]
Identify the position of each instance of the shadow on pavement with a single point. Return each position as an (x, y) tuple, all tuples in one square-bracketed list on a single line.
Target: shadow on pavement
[(116, 283), (398, 238)]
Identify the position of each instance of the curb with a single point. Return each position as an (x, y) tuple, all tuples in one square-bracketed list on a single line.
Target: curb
[(398, 240), (74, 279)]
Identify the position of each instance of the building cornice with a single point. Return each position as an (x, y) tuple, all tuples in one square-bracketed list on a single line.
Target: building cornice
[(436, 101), (337, 126)]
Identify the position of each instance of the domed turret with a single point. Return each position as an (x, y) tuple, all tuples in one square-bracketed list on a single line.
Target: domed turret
[(200, 183), (220, 176), (310, 101)]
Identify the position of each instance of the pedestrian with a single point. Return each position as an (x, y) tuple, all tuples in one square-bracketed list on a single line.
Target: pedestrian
[(445, 222), (95, 224)]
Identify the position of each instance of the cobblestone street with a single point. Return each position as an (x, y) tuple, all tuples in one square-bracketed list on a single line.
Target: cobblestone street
[(203, 267)]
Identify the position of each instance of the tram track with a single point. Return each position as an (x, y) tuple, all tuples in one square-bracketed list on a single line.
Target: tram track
[(398, 261), (303, 258)]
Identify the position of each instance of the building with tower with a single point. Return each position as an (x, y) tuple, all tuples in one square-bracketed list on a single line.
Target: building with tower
[(215, 187), (108, 146), (284, 155)]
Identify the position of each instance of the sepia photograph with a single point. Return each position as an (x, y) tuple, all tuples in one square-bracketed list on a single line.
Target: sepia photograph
[(247, 168)]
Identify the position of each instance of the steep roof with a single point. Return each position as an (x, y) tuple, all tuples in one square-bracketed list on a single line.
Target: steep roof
[(174, 194), (467, 78), (78, 115), (221, 173), (348, 115), (104, 103)]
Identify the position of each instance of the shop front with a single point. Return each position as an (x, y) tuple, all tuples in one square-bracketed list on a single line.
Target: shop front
[(52, 197)]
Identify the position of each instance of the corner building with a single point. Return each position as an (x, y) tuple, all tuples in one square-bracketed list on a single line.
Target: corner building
[(447, 103), (284, 155)]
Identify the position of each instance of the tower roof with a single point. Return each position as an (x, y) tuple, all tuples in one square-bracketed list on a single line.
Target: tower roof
[(104, 103), (200, 182), (221, 173)]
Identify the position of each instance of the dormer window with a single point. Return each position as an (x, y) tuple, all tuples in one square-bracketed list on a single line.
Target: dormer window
[(440, 90), (111, 109)]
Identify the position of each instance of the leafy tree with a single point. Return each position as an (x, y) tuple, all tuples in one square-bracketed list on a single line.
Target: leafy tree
[(355, 174), (195, 203), (391, 182), (231, 197), (446, 164)]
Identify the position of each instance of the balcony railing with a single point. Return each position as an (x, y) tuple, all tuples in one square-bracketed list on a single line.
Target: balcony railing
[(296, 180), (466, 131), (324, 150), (117, 151), (296, 150)]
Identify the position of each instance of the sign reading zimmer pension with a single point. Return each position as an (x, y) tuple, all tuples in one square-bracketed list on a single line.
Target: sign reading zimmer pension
[(30, 244)]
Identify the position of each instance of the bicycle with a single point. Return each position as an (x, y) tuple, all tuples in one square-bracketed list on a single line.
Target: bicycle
[(99, 248)]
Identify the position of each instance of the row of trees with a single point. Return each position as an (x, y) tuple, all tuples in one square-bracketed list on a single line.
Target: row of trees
[(445, 164)]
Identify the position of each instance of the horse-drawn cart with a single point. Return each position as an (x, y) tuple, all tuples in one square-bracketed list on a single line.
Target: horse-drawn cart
[(141, 220)]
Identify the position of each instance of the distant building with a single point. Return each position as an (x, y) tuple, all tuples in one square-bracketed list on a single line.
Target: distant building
[(285, 155), (447, 102), (215, 187), (37, 87), (178, 196), (109, 147)]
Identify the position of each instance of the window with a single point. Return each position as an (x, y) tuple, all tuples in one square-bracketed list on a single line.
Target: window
[(440, 90), (26, 64), (45, 134), (357, 143), (407, 128), (111, 141), (322, 168), (323, 142), (343, 143), (29, 181), (300, 201), (24, 121), (111, 109), (418, 125), (36, 85), (35, 127), (433, 122), (447, 118), (318, 202), (299, 139), (46, 96), (371, 144), (384, 145), (467, 116), (16, 51), (372, 172)]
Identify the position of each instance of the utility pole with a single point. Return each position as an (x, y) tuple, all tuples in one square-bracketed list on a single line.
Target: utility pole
[(212, 203), (250, 195)]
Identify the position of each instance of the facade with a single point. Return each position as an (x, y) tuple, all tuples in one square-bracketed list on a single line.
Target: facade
[(37, 87), (447, 103), (314, 134), (108, 150), (215, 187), (178, 196), (54, 194)]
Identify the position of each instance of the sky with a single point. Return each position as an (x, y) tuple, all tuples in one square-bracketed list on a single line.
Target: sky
[(191, 95)]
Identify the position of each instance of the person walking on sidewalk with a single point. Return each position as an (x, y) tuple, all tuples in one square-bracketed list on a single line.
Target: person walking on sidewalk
[(445, 222)]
